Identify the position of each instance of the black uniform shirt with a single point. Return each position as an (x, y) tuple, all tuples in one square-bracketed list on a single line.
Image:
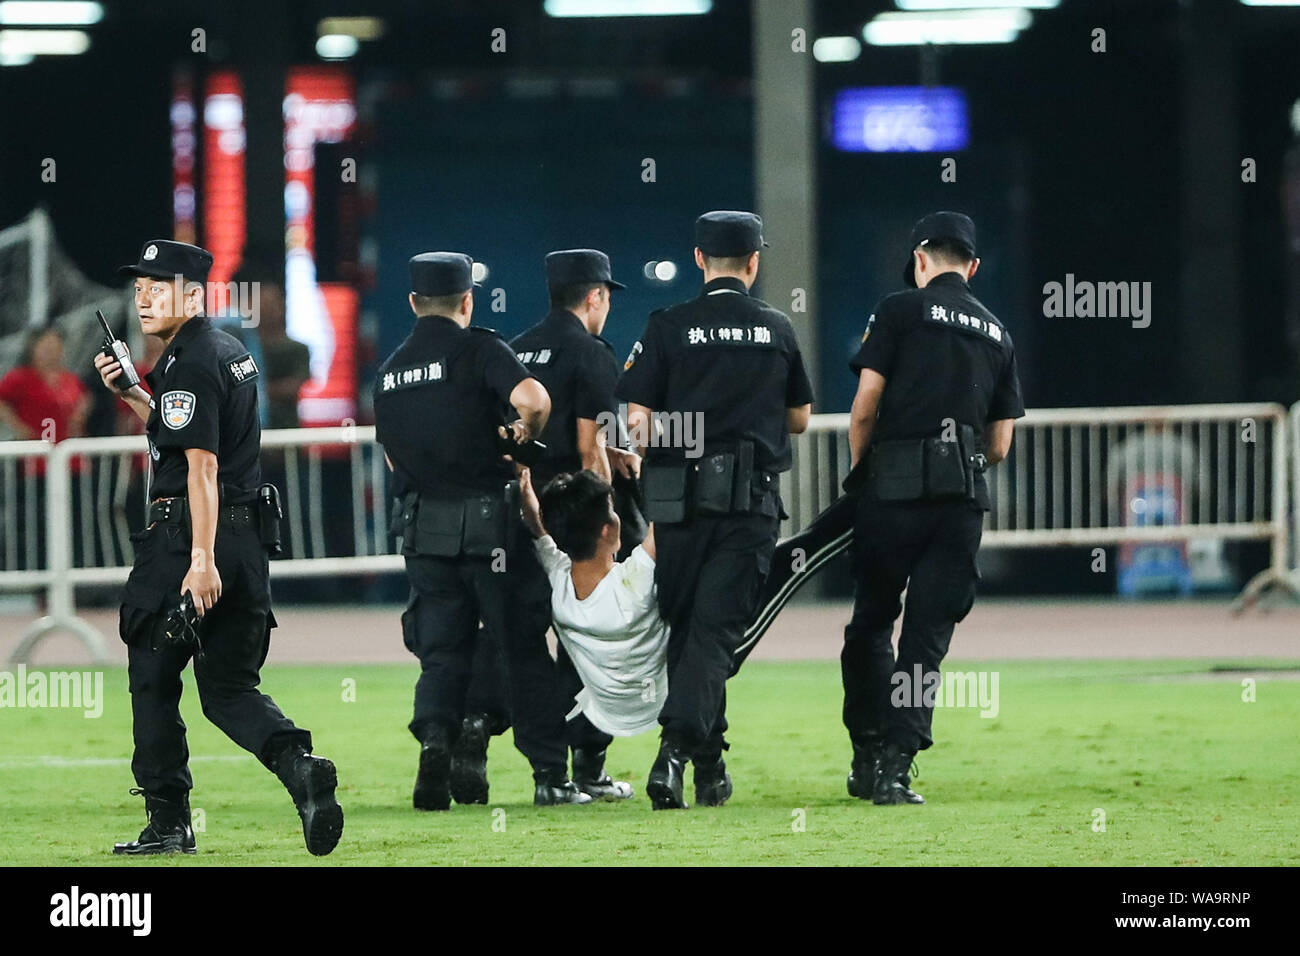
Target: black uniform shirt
[(204, 396), (438, 404), (729, 356), (579, 371), (943, 356)]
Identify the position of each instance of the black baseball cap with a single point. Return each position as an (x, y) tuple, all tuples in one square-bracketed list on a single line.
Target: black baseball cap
[(441, 273), (954, 226), (579, 267), (729, 232), (166, 259)]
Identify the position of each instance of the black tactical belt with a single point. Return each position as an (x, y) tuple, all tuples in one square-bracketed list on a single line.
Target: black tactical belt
[(171, 510)]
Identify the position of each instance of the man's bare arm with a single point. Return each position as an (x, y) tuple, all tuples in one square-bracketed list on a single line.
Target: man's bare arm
[(591, 447), (997, 439), (796, 418), (202, 579), (531, 401), (862, 417), (640, 420)]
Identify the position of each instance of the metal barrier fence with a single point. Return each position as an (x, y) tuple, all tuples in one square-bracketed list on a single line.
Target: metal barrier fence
[(1073, 478), (1076, 476)]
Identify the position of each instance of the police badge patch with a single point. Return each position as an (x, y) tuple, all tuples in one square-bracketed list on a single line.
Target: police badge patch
[(870, 322), (177, 409), (631, 356)]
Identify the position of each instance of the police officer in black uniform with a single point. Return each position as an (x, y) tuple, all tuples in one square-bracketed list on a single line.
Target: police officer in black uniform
[(210, 526), (579, 371), (731, 364), (439, 403), (937, 398)]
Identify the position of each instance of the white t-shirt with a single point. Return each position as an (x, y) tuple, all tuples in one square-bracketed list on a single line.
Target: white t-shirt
[(616, 639)]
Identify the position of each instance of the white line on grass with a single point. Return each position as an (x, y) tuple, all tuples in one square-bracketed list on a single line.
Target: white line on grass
[(14, 763)]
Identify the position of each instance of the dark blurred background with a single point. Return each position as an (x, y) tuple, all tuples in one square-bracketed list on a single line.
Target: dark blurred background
[(1150, 141), (1122, 165)]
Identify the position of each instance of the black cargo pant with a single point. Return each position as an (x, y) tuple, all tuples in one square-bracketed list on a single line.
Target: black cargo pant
[(928, 548), (709, 570), (449, 596), (235, 636)]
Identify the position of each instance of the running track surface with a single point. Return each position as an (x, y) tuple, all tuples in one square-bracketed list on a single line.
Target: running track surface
[(811, 630)]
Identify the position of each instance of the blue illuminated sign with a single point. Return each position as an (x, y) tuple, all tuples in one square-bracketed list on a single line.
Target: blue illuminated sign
[(900, 119)]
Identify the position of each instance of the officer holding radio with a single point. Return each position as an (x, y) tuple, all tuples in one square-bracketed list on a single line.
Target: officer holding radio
[(937, 399), (724, 375), (200, 586), (438, 414)]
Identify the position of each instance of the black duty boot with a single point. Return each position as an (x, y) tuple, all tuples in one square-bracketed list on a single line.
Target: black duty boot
[(892, 781), (862, 772), (664, 788), (589, 776), (168, 829), (432, 791), (469, 782), (311, 781), (712, 782), (550, 793)]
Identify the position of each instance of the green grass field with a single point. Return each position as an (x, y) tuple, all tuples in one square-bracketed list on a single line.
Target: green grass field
[(1185, 771)]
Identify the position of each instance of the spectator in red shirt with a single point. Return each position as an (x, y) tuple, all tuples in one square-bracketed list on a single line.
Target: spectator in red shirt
[(39, 397)]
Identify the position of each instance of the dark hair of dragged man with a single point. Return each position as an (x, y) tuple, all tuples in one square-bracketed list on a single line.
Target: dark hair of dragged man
[(575, 510)]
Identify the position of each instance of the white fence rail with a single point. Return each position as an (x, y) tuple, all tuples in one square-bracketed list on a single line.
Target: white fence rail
[(1075, 476)]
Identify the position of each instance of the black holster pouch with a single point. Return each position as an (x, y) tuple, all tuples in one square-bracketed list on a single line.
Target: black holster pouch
[(723, 482), (438, 527), (269, 516), (486, 526), (925, 468), (664, 487)]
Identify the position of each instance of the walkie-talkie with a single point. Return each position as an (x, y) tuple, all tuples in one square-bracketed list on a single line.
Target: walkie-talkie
[(114, 347)]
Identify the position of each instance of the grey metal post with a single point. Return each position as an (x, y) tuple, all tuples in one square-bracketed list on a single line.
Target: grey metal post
[(785, 142)]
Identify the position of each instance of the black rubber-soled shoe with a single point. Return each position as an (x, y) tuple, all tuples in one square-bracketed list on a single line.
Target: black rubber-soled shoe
[(892, 784), (311, 781), (469, 781), (168, 829), (432, 791), (664, 787), (557, 794), (712, 782), (862, 772), (590, 777)]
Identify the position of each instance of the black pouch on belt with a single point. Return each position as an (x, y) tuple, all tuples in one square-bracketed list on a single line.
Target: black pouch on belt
[(896, 470), (715, 484), (485, 526), (439, 523), (269, 515), (664, 486), (402, 518), (945, 469)]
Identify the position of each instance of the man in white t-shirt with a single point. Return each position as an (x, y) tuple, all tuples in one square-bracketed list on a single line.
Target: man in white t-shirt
[(606, 613)]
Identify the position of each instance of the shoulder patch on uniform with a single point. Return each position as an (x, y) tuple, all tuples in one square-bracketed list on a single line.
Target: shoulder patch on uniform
[(870, 322), (631, 356), (177, 409), (242, 369), (426, 373), (536, 356)]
